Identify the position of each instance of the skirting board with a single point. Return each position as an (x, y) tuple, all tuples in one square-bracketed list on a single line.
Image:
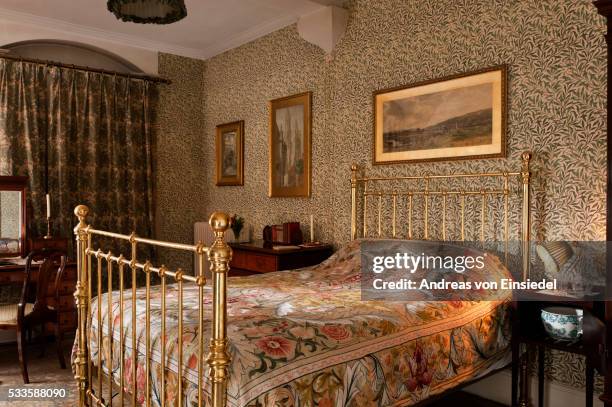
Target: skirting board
[(497, 388)]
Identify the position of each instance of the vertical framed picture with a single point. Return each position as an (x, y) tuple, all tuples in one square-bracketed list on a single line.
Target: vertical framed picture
[(289, 161), (452, 118), (230, 153)]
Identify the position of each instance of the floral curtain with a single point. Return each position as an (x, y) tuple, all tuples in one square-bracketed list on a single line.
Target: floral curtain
[(85, 136)]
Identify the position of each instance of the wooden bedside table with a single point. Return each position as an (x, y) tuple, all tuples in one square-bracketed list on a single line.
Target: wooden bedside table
[(529, 330), (257, 257)]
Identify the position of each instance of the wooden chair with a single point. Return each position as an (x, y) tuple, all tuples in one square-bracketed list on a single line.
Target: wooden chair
[(24, 316)]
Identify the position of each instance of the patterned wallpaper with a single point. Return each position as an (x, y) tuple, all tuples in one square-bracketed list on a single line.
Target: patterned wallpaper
[(238, 85), (555, 51), (179, 190), (556, 56)]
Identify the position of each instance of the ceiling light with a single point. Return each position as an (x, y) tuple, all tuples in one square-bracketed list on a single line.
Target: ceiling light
[(148, 11)]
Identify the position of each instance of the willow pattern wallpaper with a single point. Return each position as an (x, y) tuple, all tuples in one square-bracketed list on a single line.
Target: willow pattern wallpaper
[(179, 156), (555, 52)]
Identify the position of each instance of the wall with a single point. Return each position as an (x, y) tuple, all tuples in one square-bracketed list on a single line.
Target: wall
[(11, 32), (71, 53), (556, 56), (238, 85), (179, 157), (555, 52)]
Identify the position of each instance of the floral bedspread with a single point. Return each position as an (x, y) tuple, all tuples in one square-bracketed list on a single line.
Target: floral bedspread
[(305, 338)]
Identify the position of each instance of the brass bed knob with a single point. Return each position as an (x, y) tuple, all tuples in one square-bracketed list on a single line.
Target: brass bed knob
[(219, 221)]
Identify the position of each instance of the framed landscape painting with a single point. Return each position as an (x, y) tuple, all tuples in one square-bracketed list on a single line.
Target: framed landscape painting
[(290, 123), (458, 117), (230, 154)]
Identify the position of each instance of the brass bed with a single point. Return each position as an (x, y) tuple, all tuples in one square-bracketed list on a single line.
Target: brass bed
[(461, 213)]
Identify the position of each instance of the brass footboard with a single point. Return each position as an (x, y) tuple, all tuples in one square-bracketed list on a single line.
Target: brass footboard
[(219, 255)]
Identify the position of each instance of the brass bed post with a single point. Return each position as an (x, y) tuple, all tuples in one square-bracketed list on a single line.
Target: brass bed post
[(410, 216), (80, 295), (506, 227), (526, 217), (133, 262), (444, 215), (379, 214), (483, 215), (218, 358), (394, 214), (426, 198), (353, 201), (365, 208), (462, 194), (120, 260), (109, 317)]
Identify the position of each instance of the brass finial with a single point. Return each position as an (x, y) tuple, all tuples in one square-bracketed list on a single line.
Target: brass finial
[(81, 212), (354, 169), (219, 222), (526, 156)]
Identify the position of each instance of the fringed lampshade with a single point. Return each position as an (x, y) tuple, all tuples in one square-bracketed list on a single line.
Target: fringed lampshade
[(148, 11)]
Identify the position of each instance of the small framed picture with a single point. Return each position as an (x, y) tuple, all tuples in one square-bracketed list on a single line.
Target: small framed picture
[(290, 126), (230, 153), (453, 118)]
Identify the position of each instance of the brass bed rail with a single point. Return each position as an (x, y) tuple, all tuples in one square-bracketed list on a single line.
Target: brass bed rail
[(219, 255), (392, 190)]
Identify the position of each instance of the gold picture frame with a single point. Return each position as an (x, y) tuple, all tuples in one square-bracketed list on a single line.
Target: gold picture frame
[(230, 153), (453, 118), (290, 148)]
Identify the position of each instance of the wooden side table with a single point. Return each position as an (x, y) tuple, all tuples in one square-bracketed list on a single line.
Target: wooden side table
[(259, 257), (529, 330)]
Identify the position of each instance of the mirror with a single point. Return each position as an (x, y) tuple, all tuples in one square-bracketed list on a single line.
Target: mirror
[(12, 216)]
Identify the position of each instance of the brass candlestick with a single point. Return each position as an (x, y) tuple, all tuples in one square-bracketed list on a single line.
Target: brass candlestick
[(48, 235)]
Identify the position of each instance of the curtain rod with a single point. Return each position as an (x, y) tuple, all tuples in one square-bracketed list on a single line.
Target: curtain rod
[(145, 77)]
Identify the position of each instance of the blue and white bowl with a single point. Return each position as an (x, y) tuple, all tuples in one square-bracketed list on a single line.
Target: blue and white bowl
[(562, 323)]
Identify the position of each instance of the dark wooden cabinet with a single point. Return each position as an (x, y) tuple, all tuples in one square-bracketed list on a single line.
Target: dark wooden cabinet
[(258, 257)]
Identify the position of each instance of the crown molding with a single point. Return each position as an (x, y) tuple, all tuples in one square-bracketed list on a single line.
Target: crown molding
[(67, 28), (248, 36), (217, 48)]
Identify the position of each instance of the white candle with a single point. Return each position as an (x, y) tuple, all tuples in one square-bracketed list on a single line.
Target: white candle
[(48, 206), (311, 228)]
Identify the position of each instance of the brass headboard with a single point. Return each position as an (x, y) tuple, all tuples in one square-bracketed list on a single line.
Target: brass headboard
[(410, 189)]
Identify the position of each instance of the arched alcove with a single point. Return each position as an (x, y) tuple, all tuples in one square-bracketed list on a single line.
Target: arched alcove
[(68, 52)]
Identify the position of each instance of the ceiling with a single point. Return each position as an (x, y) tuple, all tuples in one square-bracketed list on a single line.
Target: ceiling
[(211, 26)]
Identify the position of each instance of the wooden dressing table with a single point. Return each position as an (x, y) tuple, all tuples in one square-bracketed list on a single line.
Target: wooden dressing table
[(13, 230), (12, 273)]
